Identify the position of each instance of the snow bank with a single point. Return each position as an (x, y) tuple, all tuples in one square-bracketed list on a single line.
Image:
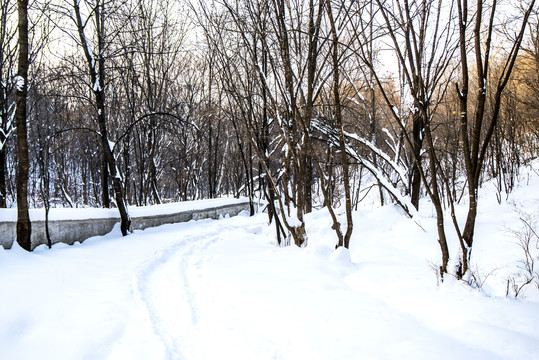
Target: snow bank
[(221, 289)]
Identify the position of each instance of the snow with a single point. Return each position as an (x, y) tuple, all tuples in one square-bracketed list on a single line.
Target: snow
[(221, 289), (398, 169), (395, 110), (96, 87), (19, 82)]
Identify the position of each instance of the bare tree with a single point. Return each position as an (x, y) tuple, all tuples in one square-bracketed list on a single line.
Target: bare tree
[(343, 240), (422, 43), (95, 60), (8, 49), (24, 227), (281, 74), (477, 127)]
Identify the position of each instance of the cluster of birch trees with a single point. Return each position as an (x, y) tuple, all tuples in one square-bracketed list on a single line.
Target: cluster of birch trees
[(304, 103)]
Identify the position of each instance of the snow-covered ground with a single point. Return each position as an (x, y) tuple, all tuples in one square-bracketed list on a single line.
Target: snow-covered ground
[(221, 289)]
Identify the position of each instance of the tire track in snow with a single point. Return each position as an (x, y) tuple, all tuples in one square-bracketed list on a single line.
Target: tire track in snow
[(162, 288), (179, 307)]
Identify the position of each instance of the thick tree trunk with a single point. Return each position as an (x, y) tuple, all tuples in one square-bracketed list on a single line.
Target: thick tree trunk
[(125, 224), (442, 240), (312, 61), (299, 232), (435, 197), (468, 232), (24, 227), (105, 198), (111, 161)]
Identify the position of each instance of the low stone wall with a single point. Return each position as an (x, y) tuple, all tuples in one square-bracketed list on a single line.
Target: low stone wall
[(71, 231)]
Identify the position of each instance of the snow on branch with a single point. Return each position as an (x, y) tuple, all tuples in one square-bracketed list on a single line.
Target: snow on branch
[(398, 169), (333, 139)]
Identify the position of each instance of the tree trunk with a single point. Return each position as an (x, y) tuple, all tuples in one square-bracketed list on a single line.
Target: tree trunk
[(153, 181), (24, 227), (111, 161), (312, 61), (308, 184), (97, 78), (339, 124), (298, 231), (435, 194), (105, 198), (417, 142)]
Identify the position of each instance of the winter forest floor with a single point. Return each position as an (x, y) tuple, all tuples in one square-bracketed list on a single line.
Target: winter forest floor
[(221, 289)]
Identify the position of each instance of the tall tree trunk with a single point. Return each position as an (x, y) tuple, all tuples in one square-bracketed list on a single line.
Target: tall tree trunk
[(97, 78), (435, 194), (339, 124), (153, 181), (298, 231), (417, 145), (24, 227), (105, 198), (111, 161), (313, 31)]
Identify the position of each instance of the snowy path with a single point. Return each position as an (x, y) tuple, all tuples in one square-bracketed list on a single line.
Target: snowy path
[(170, 287), (221, 290), (162, 287)]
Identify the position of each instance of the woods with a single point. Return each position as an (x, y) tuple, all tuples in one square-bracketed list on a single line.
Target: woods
[(302, 103)]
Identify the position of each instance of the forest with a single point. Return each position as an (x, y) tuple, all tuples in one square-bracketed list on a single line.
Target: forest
[(302, 103)]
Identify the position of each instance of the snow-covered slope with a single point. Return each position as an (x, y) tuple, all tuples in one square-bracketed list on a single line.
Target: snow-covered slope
[(221, 289)]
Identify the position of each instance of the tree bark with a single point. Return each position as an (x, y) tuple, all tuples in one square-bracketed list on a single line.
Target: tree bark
[(24, 227), (313, 37), (105, 198), (417, 145)]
